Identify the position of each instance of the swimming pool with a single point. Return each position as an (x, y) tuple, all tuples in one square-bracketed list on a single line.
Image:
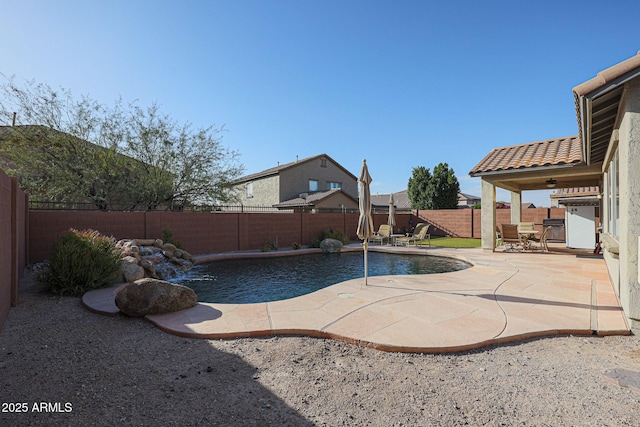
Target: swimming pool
[(243, 281)]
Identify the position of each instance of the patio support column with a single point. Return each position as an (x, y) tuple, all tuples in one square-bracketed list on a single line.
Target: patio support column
[(516, 207), (488, 215)]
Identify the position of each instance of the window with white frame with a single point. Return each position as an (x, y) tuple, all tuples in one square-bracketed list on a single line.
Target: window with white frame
[(250, 190), (612, 193), (332, 185)]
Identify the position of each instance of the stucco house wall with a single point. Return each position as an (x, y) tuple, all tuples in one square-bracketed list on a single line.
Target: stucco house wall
[(295, 180), (265, 191), (629, 207), (288, 181)]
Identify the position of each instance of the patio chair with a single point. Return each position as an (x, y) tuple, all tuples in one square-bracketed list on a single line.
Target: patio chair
[(498, 236), (419, 234), (383, 233), (542, 241), (510, 237)]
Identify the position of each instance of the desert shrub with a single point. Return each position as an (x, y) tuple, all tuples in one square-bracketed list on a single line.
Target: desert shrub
[(296, 245), (270, 245), (81, 261), (314, 243), (336, 234), (167, 237)]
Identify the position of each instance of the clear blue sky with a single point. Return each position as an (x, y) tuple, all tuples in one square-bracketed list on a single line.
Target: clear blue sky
[(400, 83)]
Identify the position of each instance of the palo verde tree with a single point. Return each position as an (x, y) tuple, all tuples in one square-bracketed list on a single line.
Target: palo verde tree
[(437, 191), (78, 150)]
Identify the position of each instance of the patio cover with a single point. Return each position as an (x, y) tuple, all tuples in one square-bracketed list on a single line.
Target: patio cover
[(529, 166)]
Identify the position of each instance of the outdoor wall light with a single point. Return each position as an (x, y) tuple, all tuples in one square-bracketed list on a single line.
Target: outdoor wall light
[(551, 182)]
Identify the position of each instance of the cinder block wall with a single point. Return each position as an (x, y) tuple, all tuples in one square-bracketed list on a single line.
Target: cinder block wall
[(13, 242)]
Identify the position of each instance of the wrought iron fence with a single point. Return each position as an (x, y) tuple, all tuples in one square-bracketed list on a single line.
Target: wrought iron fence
[(136, 207)]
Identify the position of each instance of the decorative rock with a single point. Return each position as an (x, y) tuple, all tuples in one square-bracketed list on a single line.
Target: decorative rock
[(152, 296), (152, 258), (144, 242), (186, 255), (331, 246), (131, 270), (149, 269), (168, 250)]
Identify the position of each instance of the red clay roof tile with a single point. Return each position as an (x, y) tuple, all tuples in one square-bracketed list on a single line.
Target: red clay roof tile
[(534, 154)]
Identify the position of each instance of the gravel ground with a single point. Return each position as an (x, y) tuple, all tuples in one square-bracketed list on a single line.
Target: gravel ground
[(63, 365)]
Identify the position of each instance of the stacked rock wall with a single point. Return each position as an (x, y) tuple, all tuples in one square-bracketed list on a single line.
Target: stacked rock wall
[(152, 258)]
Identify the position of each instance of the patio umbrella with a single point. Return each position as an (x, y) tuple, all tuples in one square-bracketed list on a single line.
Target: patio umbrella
[(392, 213), (365, 221)]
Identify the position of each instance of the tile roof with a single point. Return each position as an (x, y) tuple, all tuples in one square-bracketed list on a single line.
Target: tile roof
[(310, 199), (277, 169), (534, 154)]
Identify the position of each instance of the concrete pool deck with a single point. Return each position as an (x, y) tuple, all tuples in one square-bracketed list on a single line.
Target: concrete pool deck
[(504, 297)]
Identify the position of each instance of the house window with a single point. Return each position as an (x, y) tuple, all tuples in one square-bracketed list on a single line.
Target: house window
[(250, 190), (323, 163), (332, 185), (313, 185)]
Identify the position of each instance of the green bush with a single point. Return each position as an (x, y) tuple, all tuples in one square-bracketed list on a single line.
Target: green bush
[(81, 261), (270, 245), (336, 234), (167, 237)]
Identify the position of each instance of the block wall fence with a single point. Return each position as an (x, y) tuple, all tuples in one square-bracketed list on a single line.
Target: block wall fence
[(13, 242), (203, 233)]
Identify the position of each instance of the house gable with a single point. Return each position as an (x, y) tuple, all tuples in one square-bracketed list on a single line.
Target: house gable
[(288, 181)]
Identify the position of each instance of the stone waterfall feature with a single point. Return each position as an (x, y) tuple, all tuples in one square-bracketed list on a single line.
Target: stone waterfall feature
[(152, 258)]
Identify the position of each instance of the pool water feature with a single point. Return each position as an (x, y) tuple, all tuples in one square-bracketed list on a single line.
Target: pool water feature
[(243, 281)]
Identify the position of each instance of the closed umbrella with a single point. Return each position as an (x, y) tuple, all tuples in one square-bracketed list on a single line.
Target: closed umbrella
[(392, 213), (365, 221)]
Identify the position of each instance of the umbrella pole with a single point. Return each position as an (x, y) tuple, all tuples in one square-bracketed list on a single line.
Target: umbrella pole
[(366, 266)]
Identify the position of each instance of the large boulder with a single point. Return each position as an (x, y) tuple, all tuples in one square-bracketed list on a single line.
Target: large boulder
[(152, 296), (331, 246)]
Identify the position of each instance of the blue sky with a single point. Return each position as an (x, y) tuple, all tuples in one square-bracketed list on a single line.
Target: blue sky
[(402, 83)]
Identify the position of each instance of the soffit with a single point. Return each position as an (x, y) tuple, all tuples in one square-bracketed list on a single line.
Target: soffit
[(597, 101)]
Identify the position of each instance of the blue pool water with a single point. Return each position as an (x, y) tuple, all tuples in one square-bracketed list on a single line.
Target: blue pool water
[(242, 281)]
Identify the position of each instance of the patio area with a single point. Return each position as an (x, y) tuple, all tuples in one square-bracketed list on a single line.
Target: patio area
[(504, 297)]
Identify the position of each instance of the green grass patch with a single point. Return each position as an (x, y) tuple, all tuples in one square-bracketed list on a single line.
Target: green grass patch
[(454, 242)]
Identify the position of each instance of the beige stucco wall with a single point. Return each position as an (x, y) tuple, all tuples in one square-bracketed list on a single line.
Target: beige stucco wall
[(629, 152), (265, 192)]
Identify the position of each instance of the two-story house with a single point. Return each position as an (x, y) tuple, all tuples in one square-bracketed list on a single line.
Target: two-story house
[(313, 183)]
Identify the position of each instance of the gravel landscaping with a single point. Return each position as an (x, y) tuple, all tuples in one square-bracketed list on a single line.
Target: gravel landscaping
[(63, 365)]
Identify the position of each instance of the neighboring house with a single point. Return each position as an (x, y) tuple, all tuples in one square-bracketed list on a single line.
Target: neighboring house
[(107, 187), (605, 153), (400, 202), (317, 182), (467, 200), (403, 204)]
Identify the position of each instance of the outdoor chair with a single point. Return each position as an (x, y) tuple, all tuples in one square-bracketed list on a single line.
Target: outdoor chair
[(511, 237), (542, 241), (383, 233), (498, 236), (419, 234), (526, 226)]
